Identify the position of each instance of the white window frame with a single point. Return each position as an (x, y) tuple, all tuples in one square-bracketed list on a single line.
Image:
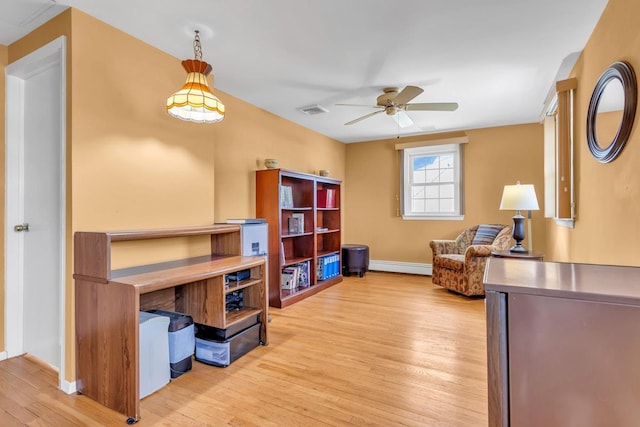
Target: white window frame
[(406, 182)]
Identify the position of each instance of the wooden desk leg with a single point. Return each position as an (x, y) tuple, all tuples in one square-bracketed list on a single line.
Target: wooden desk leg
[(497, 362), (107, 334)]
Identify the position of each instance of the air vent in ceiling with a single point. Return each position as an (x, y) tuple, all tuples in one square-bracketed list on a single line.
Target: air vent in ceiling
[(311, 110)]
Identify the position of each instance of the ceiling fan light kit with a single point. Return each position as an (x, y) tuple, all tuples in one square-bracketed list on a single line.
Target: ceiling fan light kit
[(395, 104)]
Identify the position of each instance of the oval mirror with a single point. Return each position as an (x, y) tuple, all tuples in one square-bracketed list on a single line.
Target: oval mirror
[(611, 113)]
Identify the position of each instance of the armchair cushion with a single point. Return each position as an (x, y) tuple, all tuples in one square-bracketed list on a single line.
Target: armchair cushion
[(451, 261), (486, 234)]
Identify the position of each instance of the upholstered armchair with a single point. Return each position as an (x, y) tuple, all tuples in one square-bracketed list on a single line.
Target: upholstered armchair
[(458, 265)]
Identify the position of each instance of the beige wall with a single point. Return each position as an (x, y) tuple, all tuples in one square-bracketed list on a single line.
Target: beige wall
[(492, 158), (4, 60), (246, 137), (607, 195)]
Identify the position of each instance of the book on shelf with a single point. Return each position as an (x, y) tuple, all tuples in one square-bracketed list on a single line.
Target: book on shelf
[(303, 274), (300, 217), (246, 221), (326, 198), (282, 257), (294, 225), (296, 276), (328, 266), (289, 279), (286, 196)]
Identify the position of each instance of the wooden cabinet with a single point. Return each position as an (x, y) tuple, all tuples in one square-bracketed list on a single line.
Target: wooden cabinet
[(108, 303), (561, 343), (303, 212)]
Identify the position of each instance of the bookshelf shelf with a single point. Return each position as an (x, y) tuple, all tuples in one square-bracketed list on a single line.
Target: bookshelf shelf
[(315, 202)]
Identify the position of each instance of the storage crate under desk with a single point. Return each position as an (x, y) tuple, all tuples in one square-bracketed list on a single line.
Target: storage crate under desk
[(213, 351)]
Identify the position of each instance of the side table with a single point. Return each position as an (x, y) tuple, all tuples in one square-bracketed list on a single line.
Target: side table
[(519, 255)]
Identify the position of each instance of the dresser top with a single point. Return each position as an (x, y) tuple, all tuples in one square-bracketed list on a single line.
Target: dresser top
[(608, 283)]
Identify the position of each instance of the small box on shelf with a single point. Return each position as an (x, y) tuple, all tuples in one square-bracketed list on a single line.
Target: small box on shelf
[(235, 277), (300, 217), (294, 225)]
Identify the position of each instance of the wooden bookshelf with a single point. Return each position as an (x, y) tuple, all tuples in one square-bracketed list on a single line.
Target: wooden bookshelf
[(318, 199)]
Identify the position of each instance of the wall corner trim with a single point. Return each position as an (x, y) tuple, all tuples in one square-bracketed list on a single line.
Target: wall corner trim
[(3, 355), (68, 387)]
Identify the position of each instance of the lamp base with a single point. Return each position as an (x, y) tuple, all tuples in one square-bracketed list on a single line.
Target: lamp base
[(518, 234), (518, 248)]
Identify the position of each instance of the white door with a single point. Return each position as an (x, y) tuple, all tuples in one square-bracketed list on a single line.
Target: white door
[(35, 196)]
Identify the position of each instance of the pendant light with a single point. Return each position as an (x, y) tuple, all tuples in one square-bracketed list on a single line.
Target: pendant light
[(194, 101)]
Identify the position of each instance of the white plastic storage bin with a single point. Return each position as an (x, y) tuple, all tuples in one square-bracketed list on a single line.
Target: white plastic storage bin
[(221, 353), (154, 353), (181, 341)]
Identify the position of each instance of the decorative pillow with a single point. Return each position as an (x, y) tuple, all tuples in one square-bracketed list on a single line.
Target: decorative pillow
[(486, 234)]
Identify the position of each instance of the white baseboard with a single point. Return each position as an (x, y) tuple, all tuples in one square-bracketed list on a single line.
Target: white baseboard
[(400, 267), (68, 387), (3, 355)]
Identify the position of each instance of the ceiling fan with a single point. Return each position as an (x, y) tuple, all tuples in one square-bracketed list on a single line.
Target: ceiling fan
[(395, 104)]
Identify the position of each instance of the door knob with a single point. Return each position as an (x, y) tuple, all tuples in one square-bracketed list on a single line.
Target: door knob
[(21, 227)]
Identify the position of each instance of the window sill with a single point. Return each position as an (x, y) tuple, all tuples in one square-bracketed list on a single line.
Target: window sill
[(433, 218)]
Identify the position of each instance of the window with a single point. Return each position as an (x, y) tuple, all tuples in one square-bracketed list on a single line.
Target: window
[(432, 182), (559, 197)]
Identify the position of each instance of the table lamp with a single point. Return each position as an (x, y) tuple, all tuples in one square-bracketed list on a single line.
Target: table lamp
[(519, 197)]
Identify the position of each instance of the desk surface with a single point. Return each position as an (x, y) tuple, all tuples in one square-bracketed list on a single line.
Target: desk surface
[(154, 277), (605, 283)]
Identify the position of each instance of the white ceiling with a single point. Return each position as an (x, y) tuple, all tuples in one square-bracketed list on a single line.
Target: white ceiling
[(497, 59)]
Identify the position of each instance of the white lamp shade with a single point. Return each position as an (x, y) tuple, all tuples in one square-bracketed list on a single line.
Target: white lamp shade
[(519, 197)]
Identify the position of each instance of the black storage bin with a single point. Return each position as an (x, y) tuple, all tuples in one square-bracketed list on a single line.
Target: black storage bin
[(213, 351), (181, 341), (355, 259)]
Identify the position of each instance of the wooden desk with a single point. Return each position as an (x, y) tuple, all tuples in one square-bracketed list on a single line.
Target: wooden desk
[(561, 343), (108, 303)]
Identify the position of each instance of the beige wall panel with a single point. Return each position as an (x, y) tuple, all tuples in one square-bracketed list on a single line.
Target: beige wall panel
[(246, 137), (134, 166), (492, 158), (606, 227)]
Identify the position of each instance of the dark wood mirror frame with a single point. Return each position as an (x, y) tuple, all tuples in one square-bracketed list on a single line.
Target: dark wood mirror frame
[(609, 150)]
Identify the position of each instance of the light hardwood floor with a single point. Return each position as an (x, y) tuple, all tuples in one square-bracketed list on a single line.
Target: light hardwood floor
[(383, 350)]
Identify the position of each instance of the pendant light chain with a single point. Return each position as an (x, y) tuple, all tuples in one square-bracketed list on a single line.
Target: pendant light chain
[(197, 47)]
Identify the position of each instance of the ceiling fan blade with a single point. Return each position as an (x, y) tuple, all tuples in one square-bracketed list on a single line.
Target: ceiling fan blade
[(358, 105), (407, 94), (432, 106), (402, 119), (364, 117)]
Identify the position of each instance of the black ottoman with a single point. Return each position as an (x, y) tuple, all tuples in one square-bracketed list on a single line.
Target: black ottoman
[(355, 259)]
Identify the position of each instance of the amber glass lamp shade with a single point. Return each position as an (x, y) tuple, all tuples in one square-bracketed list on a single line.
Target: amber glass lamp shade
[(194, 101)]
